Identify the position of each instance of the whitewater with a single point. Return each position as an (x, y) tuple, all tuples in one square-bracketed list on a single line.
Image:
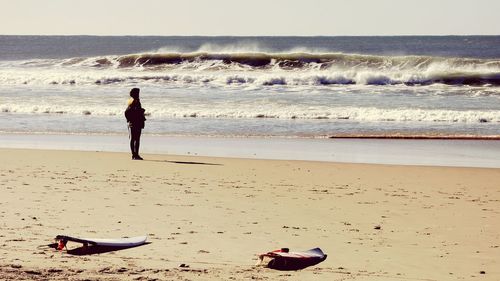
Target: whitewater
[(275, 87)]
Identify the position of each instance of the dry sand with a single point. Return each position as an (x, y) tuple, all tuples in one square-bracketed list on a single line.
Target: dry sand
[(375, 222)]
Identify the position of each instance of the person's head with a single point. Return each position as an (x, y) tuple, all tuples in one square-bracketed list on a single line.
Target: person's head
[(135, 93)]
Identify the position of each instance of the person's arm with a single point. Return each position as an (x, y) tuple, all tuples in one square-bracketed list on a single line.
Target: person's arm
[(127, 114)]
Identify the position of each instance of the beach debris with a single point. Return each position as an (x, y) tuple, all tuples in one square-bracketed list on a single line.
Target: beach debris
[(283, 259), (33, 272), (482, 272), (55, 270), (377, 227)]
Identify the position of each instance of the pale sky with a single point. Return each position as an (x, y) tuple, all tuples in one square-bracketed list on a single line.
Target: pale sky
[(253, 17)]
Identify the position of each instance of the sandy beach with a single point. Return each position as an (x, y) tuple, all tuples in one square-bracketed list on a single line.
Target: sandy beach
[(214, 215)]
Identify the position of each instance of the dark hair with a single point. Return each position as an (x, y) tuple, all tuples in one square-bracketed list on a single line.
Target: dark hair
[(135, 93)]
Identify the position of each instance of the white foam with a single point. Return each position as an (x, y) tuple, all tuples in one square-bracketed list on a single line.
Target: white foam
[(340, 69), (234, 110)]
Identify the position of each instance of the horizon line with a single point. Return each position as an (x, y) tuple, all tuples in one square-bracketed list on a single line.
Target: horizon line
[(153, 35)]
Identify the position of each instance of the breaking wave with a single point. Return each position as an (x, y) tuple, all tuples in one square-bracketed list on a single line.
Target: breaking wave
[(265, 69), (253, 111)]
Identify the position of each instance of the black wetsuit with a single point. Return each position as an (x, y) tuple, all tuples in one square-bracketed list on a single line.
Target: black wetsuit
[(135, 118)]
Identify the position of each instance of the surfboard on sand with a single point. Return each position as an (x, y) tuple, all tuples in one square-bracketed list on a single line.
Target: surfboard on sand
[(104, 242), (283, 259)]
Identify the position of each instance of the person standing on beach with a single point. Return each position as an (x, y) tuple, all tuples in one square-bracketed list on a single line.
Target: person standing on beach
[(135, 120)]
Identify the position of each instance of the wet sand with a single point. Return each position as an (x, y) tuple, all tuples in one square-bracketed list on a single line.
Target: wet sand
[(375, 222), (426, 152)]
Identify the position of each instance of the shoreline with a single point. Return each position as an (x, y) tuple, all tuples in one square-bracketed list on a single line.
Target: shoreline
[(420, 152), (417, 137)]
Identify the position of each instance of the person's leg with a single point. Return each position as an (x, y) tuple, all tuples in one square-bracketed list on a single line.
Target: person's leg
[(136, 133), (132, 143), (138, 142)]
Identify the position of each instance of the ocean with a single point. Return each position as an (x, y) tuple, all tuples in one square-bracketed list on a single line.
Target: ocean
[(284, 87)]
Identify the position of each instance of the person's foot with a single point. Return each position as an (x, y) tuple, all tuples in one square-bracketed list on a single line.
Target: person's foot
[(137, 157)]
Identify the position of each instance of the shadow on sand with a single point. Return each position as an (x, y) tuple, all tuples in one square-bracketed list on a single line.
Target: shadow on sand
[(94, 249), (185, 162)]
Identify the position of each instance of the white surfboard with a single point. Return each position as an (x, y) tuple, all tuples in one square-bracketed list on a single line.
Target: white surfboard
[(118, 242)]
